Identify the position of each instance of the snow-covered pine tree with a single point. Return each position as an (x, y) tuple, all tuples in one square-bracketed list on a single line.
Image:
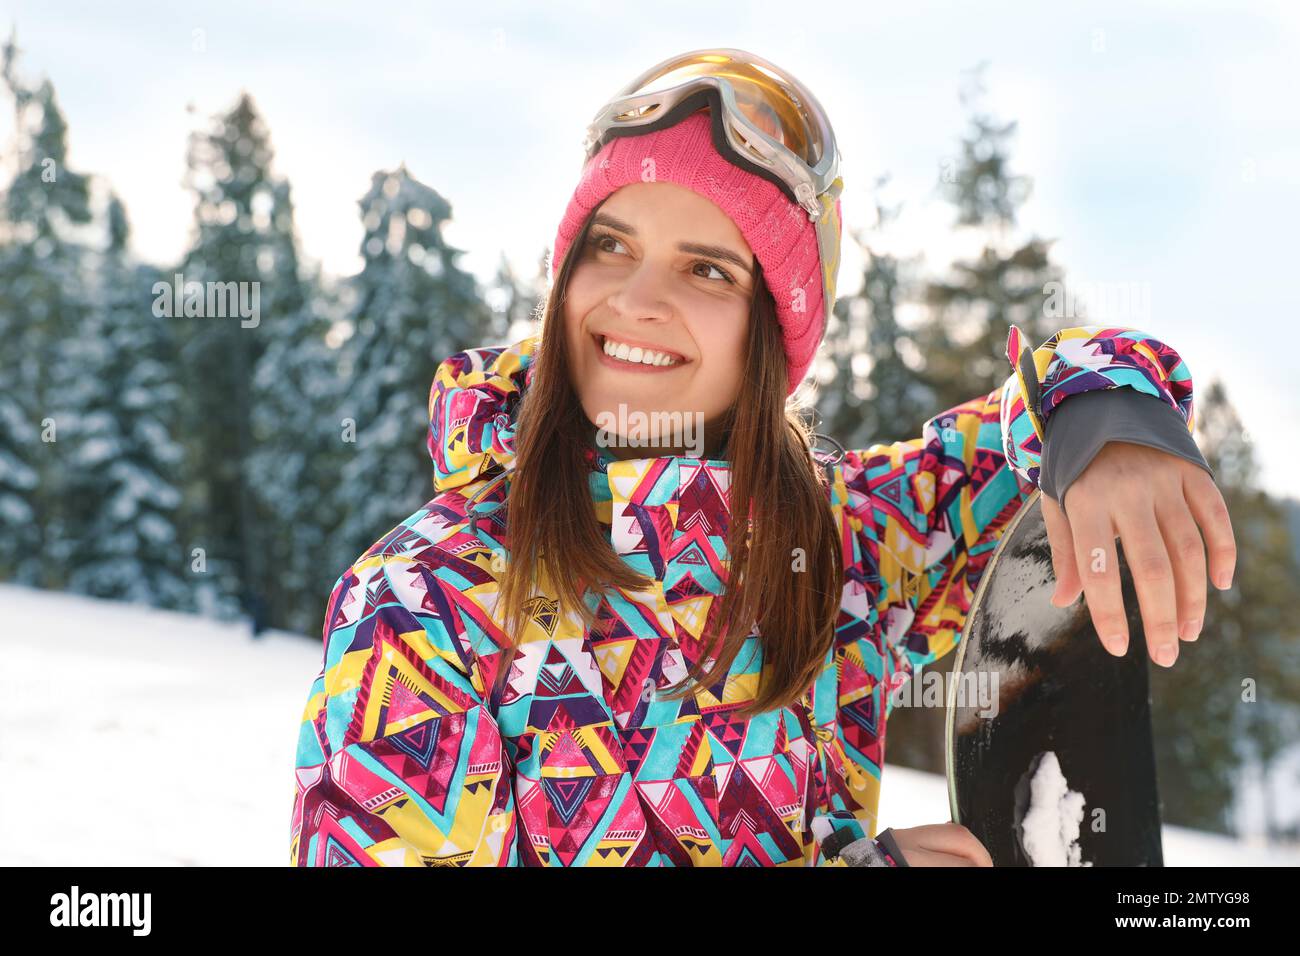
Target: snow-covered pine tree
[(972, 309), (413, 307), (18, 431), (297, 453), (123, 471), (42, 309), (241, 243), (869, 394), (19, 436)]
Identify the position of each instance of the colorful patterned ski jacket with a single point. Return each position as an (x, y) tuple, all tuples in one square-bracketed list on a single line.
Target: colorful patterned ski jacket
[(405, 757)]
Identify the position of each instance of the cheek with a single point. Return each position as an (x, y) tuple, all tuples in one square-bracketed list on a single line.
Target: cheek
[(724, 341), (580, 301), (585, 289), (575, 306)]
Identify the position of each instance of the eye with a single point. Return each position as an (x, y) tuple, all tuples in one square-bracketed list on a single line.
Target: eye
[(725, 274), (596, 240)]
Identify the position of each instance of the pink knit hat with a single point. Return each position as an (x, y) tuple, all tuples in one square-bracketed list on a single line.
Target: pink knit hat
[(778, 230)]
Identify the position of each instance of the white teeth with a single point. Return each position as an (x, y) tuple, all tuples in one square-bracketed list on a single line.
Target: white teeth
[(637, 354)]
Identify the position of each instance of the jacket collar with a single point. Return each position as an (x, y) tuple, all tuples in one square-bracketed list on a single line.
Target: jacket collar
[(472, 418)]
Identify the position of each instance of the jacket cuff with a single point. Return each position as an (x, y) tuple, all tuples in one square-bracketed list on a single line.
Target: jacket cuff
[(881, 851), (1083, 423)]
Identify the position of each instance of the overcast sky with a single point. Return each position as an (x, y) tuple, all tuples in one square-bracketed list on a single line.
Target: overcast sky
[(1161, 137)]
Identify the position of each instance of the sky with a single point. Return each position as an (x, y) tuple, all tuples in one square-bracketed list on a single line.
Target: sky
[(1162, 138)]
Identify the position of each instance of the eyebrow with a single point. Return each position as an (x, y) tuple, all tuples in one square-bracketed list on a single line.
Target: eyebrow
[(715, 252)]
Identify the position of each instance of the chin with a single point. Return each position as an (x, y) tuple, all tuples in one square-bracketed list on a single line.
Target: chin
[(607, 402)]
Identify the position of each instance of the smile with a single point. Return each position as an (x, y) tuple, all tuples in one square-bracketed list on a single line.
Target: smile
[(635, 358)]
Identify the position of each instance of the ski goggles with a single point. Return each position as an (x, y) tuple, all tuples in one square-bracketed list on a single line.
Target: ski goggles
[(763, 120)]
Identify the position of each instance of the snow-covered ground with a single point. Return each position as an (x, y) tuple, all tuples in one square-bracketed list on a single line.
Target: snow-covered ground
[(131, 736)]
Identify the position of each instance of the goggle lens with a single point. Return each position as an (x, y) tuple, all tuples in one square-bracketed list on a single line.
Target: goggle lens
[(765, 99)]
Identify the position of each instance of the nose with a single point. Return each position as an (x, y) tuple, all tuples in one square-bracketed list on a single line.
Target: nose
[(643, 294)]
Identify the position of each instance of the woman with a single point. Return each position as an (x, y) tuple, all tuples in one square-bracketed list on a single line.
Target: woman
[(532, 669)]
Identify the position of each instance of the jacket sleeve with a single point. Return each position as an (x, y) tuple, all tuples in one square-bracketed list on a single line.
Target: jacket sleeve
[(927, 513), (924, 515), (399, 761)]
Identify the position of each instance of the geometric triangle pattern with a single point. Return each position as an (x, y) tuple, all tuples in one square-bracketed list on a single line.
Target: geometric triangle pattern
[(403, 758)]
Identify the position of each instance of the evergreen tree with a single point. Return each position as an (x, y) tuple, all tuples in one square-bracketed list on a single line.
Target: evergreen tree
[(243, 247), (297, 452), (869, 394), (42, 309), (122, 477), (413, 308), (971, 310)]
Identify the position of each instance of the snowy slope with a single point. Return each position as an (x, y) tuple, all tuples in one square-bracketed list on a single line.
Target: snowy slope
[(130, 736)]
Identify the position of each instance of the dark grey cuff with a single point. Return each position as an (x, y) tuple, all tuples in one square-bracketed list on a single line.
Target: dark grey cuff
[(1083, 423), (886, 839)]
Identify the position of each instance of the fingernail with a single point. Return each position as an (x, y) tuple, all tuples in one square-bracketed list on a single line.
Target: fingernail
[(1166, 655), (1190, 630), (1117, 644), (1224, 580)]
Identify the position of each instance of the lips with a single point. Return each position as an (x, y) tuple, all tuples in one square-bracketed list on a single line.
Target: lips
[(600, 342)]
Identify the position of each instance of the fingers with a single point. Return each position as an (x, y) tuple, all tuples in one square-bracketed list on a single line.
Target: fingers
[(1153, 579), (933, 858), (1059, 537), (1157, 520), (1097, 561), (979, 853), (938, 836), (1211, 513), (1183, 544), (951, 842)]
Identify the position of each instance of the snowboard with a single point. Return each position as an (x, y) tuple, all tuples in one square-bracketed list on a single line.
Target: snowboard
[(1049, 751)]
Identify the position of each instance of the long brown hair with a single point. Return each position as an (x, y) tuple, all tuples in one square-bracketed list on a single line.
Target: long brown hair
[(551, 513)]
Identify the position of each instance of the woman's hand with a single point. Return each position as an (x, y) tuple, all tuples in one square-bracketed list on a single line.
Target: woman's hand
[(1153, 501), (941, 844)]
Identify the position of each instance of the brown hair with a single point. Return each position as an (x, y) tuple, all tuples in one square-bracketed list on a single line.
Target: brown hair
[(550, 512)]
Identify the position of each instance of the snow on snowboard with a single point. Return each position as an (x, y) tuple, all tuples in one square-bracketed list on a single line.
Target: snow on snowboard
[(1050, 757)]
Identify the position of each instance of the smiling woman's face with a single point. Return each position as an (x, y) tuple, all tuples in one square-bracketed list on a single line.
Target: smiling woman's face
[(663, 269)]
